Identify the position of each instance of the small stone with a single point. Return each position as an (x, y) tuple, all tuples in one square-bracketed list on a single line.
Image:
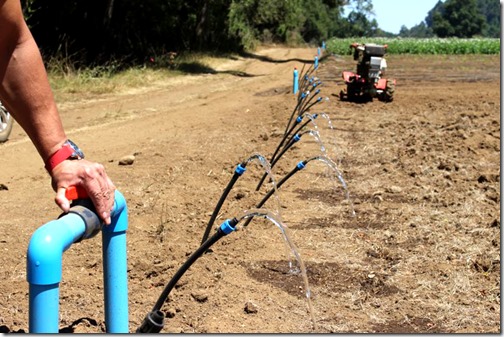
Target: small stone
[(200, 296), (127, 160), (170, 313), (250, 308), (393, 189), (3, 187)]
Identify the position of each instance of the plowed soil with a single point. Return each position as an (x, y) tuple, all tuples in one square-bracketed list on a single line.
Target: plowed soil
[(420, 255)]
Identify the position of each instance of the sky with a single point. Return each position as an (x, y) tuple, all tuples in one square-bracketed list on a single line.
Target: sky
[(391, 15)]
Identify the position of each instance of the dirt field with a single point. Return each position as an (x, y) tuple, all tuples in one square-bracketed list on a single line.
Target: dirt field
[(421, 254)]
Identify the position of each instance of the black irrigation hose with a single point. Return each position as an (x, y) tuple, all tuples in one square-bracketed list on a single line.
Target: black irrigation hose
[(153, 321), (287, 130), (307, 107), (275, 158), (306, 76), (303, 96), (294, 139), (301, 165), (314, 116), (238, 172), (286, 134)]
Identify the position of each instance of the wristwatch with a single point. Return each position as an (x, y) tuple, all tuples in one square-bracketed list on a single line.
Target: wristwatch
[(67, 151)]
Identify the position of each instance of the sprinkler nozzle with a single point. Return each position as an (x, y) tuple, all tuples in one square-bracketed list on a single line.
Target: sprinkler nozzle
[(152, 323)]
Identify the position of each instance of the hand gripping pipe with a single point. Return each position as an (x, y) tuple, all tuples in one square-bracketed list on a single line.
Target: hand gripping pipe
[(44, 264)]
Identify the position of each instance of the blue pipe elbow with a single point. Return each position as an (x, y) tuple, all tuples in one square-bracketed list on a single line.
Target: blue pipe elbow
[(46, 247)]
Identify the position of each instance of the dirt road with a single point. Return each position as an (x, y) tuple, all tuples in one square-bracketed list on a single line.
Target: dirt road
[(421, 254)]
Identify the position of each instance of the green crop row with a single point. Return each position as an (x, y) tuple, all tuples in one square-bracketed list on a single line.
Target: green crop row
[(447, 46)]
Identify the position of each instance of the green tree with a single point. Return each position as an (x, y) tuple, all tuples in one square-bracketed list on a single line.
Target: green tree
[(460, 18), (490, 9), (419, 31), (438, 8)]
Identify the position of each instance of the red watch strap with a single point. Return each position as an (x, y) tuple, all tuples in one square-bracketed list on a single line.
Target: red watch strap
[(57, 157)]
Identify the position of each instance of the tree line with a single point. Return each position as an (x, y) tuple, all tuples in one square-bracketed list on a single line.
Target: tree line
[(97, 31), (459, 18)]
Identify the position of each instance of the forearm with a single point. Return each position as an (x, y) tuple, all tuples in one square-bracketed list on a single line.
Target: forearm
[(26, 93)]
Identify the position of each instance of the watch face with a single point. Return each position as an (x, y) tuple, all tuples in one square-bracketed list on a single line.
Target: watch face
[(78, 154)]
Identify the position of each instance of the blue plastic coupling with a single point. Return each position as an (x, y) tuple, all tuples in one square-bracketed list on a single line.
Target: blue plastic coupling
[(299, 119), (226, 227), (317, 91), (314, 116), (318, 51), (319, 99), (296, 137), (323, 45), (316, 62), (240, 169), (301, 165)]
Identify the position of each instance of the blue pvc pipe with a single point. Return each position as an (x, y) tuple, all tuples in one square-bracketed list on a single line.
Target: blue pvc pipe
[(44, 269), (115, 277), (316, 62), (295, 82)]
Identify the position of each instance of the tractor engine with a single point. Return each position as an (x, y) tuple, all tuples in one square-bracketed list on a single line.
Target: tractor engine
[(371, 63)]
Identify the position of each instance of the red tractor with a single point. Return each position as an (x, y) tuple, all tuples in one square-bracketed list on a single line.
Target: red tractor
[(368, 83)]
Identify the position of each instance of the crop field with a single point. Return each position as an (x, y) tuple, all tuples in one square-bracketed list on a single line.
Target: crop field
[(431, 46)]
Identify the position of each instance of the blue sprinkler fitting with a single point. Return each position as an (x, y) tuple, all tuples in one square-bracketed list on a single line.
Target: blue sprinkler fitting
[(295, 84), (240, 169), (44, 266), (318, 51), (316, 62), (226, 227)]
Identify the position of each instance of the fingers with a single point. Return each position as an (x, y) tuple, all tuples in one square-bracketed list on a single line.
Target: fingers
[(92, 177), (100, 190), (61, 199)]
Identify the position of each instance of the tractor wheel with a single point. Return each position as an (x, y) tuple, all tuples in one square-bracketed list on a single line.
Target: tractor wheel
[(388, 94)]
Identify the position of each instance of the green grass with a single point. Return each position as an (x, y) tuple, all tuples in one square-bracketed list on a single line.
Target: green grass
[(70, 82), (433, 46)]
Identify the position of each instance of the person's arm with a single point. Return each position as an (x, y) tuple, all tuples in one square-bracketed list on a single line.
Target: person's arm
[(26, 93)]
